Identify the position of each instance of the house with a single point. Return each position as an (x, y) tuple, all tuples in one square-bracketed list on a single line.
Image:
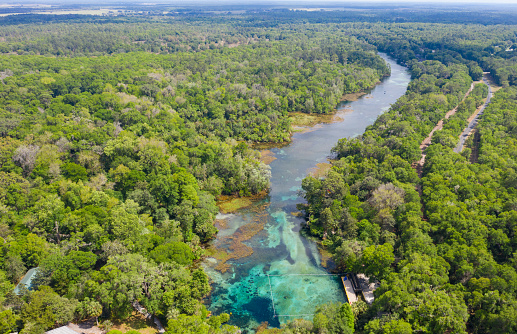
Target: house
[(62, 330), (26, 282)]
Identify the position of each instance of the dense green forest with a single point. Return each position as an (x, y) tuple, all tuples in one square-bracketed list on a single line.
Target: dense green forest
[(118, 134), (446, 258), (110, 163)]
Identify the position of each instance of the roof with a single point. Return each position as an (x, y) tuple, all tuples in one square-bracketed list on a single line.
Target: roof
[(26, 280), (367, 287), (62, 330)]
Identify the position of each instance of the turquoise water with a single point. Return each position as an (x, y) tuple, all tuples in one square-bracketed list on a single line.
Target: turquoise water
[(283, 279)]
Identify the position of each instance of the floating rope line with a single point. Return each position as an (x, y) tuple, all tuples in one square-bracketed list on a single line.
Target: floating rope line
[(307, 275), (295, 315), (273, 301)]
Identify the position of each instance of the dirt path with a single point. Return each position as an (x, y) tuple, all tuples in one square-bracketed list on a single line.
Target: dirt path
[(419, 165), (143, 311), (86, 327)]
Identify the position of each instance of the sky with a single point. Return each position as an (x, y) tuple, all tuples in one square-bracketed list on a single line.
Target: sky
[(257, 2)]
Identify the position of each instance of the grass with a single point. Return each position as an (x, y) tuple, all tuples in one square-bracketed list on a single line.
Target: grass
[(300, 119), (320, 170), (234, 204)]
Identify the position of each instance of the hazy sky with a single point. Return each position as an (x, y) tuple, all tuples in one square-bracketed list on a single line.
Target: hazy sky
[(257, 2)]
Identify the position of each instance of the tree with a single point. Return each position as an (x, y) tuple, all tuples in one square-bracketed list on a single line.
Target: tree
[(348, 254), (46, 308), (438, 312), (31, 248), (5, 286), (7, 321), (89, 308), (377, 260), (124, 222), (334, 319), (75, 172), (397, 327), (25, 156), (63, 271), (320, 321), (173, 251), (198, 324), (50, 212), (387, 196)]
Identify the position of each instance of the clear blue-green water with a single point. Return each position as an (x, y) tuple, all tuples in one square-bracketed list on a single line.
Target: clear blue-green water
[(245, 290)]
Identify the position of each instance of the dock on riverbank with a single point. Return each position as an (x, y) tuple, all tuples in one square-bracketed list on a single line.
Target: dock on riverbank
[(349, 290), (359, 283)]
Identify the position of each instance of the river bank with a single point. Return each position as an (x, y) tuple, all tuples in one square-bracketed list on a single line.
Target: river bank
[(282, 275)]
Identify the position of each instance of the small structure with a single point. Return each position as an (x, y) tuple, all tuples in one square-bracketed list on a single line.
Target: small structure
[(62, 330), (367, 287), (355, 283), (349, 290), (359, 283), (26, 281)]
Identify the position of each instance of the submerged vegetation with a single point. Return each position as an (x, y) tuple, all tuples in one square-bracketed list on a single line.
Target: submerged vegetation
[(117, 137)]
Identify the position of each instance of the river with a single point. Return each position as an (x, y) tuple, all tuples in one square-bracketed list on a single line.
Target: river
[(283, 278)]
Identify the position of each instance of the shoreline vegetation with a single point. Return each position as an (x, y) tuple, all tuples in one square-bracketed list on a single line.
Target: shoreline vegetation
[(121, 135), (303, 122), (233, 203), (300, 122)]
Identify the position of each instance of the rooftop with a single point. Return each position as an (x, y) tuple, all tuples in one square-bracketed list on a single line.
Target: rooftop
[(62, 330), (26, 280)]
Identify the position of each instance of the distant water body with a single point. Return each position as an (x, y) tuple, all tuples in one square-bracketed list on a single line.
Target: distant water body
[(283, 278)]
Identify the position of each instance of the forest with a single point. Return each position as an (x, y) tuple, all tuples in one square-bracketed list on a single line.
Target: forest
[(118, 137), (442, 243)]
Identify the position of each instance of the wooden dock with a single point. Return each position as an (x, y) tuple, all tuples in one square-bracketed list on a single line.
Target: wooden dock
[(349, 290)]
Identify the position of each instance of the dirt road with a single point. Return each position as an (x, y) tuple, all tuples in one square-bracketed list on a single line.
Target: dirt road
[(427, 141), (473, 120)]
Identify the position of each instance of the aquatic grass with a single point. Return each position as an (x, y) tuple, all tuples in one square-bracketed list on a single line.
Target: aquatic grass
[(267, 157), (351, 97), (221, 224), (320, 170), (300, 119), (218, 254), (234, 204), (235, 248), (231, 204)]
